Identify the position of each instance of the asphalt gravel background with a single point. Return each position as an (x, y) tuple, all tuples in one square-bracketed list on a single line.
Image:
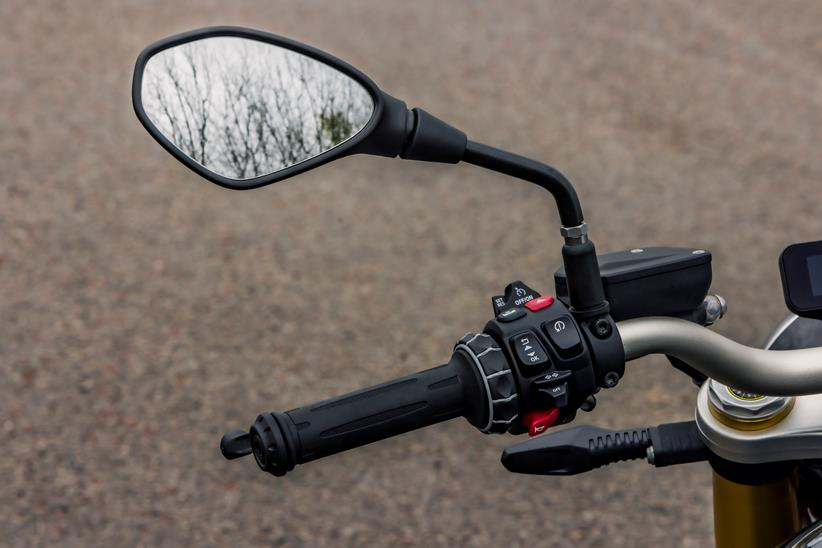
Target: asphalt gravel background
[(145, 311)]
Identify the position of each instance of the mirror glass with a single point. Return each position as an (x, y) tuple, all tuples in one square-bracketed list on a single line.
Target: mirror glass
[(242, 108)]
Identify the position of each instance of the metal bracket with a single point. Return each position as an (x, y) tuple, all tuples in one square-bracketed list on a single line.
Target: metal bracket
[(797, 436)]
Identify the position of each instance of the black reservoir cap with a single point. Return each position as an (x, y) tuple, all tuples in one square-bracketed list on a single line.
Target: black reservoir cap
[(650, 281)]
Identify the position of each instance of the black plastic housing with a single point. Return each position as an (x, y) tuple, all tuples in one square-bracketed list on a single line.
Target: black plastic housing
[(651, 281), (581, 380)]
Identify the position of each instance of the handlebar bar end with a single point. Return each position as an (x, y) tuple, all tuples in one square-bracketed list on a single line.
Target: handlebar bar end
[(235, 444), (269, 445)]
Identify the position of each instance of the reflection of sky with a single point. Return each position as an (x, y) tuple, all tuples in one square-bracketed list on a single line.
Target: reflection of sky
[(244, 108)]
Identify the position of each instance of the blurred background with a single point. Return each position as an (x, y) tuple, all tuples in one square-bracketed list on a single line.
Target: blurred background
[(143, 311)]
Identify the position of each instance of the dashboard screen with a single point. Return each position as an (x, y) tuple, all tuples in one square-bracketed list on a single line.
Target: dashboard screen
[(815, 273), (801, 268)]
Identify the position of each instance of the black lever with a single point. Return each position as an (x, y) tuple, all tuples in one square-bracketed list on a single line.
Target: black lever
[(583, 448), (235, 444)]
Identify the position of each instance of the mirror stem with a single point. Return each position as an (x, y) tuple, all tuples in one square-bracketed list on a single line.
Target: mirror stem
[(543, 175), (579, 254)]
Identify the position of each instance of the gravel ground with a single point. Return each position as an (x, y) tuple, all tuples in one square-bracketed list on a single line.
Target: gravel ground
[(145, 311)]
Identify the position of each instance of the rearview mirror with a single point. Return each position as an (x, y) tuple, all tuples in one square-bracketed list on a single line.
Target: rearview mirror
[(245, 108)]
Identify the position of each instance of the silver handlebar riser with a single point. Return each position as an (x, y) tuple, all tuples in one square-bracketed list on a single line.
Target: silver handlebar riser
[(769, 372)]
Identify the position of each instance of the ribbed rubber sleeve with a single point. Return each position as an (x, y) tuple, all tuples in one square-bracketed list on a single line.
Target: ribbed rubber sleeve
[(375, 413)]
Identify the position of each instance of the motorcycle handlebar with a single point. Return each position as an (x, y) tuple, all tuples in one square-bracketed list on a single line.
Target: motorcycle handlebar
[(280, 441), (767, 372)]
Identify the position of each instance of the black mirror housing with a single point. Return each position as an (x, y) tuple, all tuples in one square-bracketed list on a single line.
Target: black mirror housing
[(392, 130), (389, 127)]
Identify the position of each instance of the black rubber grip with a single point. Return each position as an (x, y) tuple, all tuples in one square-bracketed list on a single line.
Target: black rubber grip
[(375, 413), (678, 443), (282, 440)]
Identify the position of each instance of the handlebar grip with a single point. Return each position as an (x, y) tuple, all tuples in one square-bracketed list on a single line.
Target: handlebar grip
[(280, 441)]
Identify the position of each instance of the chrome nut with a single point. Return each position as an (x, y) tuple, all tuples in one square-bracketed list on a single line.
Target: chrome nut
[(739, 405), (574, 232), (715, 308)]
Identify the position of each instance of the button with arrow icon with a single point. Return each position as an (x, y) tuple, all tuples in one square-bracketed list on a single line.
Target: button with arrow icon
[(529, 351)]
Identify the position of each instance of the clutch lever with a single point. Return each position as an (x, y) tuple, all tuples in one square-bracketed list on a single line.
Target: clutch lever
[(582, 448)]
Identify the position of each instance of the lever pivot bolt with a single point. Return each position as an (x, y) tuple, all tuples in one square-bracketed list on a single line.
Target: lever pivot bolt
[(611, 379)]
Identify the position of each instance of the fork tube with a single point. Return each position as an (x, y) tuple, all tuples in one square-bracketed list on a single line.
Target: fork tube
[(761, 515)]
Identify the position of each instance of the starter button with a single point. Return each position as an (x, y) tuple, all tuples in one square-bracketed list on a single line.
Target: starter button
[(563, 335)]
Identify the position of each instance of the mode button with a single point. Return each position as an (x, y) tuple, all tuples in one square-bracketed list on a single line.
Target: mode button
[(529, 351)]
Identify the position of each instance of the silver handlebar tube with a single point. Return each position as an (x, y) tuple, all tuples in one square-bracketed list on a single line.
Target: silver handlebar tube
[(767, 372)]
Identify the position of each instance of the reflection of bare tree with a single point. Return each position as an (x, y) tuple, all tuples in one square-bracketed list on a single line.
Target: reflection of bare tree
[(183, 106), (244, 108)]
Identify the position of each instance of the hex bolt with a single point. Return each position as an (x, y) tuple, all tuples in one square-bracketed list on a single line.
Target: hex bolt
[(611, 379), (742, 406), (602, 328)]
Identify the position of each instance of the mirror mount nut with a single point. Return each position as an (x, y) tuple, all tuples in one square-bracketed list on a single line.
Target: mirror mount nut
[(432, 140)]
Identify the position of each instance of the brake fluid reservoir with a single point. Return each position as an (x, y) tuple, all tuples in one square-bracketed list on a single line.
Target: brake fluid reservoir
[(650, 281)]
